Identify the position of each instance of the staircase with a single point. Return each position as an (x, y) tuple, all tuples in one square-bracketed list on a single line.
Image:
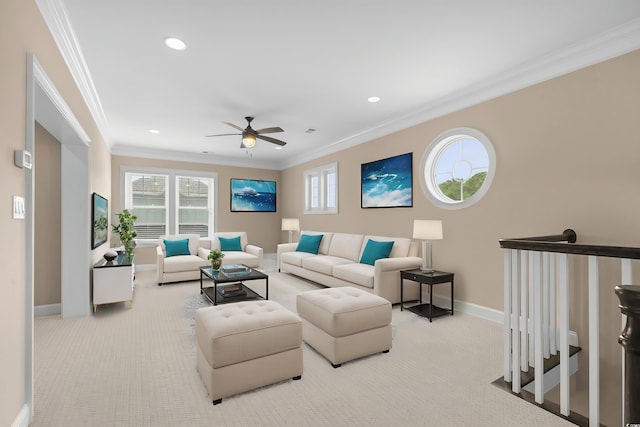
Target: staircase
[(540, 351)]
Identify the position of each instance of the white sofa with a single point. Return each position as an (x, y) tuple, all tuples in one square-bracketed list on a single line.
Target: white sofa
[(187, 267), (337, 264)]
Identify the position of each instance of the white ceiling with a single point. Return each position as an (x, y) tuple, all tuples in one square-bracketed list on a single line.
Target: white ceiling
[(300, 64)]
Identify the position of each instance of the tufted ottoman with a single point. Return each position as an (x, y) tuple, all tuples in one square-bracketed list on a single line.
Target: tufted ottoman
[(245, 345), (345, 323)]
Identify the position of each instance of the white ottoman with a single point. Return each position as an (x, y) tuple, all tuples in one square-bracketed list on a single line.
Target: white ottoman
[(245, 345), (345, 323)]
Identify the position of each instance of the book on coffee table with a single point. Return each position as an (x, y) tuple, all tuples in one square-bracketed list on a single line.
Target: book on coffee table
[(233, 290), (235, 269)]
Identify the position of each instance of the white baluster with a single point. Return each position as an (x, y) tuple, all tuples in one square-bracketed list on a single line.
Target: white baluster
[(507, 315), (552, 305), (515, 330), (594, 344), (545, 305), (537, 304), (563, 313), (524, 307)]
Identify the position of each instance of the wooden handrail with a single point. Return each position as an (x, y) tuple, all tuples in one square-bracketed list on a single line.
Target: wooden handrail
[(554, 243)]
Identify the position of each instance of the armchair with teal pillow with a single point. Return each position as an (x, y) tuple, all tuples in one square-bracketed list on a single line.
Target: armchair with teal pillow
[(236, 248)]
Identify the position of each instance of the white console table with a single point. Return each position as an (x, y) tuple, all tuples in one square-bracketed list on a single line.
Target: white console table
[(113, 281)]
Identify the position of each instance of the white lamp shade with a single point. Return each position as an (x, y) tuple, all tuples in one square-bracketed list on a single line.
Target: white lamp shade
[(290, 224), (427, 229)]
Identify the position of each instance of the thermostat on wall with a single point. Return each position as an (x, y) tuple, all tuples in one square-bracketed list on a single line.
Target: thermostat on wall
[(23, 159)]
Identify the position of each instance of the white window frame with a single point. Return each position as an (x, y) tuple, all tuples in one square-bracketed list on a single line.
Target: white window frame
[(210, 203), (172, 213), (128, 194), (430, 160), (322, 174)]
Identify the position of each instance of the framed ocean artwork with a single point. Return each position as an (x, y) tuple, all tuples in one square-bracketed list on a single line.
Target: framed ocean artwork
[(251, 195), (100, 221), (387, 183)]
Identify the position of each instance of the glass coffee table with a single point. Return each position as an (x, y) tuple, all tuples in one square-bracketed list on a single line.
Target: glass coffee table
[(229, 286)]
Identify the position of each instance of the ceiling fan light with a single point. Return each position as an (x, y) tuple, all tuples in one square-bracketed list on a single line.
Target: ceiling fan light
[(248, 140)]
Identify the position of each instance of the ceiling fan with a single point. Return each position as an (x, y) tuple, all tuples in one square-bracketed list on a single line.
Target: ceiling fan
[(249, 135)]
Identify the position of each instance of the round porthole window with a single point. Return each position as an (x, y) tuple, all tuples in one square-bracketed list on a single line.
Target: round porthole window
[(458, 168)]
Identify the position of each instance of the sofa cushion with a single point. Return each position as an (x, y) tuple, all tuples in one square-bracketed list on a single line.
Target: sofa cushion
[(230, 244), (374, 251), (323, 263), (401, 245), (180, 263), (239, 257), (177, 247), (294, 258), (360, 274), (309, 243), (347, 246)]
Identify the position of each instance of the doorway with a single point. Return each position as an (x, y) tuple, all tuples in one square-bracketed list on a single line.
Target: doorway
[(46, 106)]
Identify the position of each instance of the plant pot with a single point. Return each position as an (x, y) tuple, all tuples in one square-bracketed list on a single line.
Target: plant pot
[(215, 264)]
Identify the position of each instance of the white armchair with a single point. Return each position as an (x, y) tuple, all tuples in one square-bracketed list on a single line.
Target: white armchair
[(179, 268), (250, 255)]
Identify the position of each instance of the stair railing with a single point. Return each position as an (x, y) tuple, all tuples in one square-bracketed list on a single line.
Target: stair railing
[(536, 310)]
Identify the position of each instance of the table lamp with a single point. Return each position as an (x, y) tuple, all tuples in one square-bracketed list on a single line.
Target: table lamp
[(290, 225), (427, 230)]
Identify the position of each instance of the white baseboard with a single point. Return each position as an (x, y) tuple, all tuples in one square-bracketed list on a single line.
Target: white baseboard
[(23, 417), (491, 314), (47, 310), (470, 308)]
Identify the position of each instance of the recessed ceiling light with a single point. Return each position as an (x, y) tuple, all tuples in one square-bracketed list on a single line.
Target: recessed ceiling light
[(154, 131), (278, 148), (175, 43), (373, 99)]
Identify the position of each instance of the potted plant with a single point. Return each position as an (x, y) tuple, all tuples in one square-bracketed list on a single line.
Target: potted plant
[(216, 255), (127, 231)]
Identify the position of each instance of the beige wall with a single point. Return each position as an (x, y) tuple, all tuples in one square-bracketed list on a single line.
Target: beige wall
[(47, 269), (567, 157), (23, 31), (263, 228)]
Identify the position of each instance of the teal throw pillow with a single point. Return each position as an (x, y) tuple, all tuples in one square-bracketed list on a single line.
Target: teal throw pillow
[(230, 244), (374, 251), (309, 243), (177, 247)]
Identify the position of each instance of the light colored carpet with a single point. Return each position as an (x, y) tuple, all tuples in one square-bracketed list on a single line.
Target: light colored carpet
[(123, 367)]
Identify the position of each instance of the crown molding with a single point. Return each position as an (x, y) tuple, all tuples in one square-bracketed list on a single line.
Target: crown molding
[(57, 19), (182, 156), (615, 42)]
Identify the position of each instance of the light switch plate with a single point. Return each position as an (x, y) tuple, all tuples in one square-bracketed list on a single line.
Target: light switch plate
[(18, 207), (23, 159)]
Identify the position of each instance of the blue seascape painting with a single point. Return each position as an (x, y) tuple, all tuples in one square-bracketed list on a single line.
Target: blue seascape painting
[(388, 182), (249, 195)]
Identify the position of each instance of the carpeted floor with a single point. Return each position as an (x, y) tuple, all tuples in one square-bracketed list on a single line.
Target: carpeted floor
[(123, 367)]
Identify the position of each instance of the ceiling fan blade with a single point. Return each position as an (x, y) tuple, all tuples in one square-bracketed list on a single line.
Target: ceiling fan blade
[(234, 126), (224, 134), (272, 140), (270, 130)]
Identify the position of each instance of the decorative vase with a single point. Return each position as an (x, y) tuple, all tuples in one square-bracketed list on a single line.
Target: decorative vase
[(215, 264)]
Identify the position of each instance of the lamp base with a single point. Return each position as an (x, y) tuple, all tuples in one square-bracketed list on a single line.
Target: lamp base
[(427, 270)]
